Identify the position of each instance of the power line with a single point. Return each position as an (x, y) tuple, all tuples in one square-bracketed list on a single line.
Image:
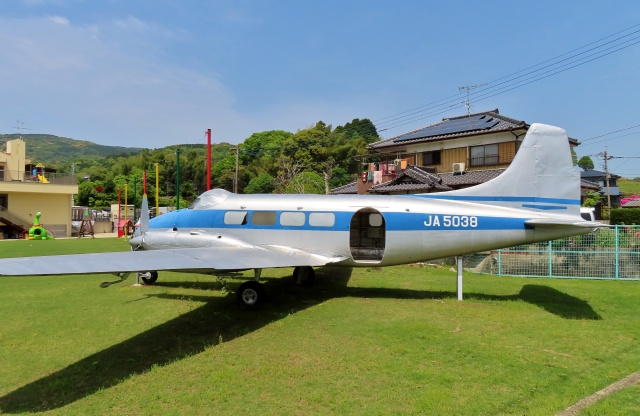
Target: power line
[(526, 77), (538, 77), (612, 132)]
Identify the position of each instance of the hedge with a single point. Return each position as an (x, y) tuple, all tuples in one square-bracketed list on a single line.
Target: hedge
[(626, 216)]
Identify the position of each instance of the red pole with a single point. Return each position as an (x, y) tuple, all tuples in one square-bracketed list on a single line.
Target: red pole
[(208, 159), (118, 223), (144, 181)]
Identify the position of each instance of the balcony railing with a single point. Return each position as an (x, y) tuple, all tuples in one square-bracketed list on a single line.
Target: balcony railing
[(39, 178)]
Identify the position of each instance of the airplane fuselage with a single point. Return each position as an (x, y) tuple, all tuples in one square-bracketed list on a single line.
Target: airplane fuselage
[(363, 229)]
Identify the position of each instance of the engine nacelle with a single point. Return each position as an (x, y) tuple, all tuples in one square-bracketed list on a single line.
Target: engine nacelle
[(157, 240)]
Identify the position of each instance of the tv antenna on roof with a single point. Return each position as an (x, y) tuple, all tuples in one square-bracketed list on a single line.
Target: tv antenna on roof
[(467, 102), (20, 127)]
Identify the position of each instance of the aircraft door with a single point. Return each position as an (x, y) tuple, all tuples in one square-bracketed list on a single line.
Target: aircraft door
[(367, 235)]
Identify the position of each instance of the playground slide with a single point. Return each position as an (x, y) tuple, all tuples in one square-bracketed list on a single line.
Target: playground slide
[(42, 179)]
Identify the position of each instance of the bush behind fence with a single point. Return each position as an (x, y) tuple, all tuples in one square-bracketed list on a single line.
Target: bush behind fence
[(608, 253)]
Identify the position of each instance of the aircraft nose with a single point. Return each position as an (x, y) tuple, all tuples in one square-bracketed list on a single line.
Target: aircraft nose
[(136, 243)]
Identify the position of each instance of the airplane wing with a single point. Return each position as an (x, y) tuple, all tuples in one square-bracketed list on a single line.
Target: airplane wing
[(560, 223), (178, 259)]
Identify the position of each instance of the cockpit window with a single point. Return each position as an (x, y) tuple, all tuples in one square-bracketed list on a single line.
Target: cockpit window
[(194, 203), (210, 199)]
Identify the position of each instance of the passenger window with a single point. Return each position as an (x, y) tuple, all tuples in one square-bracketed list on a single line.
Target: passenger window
[(235, 217), (263, 218), (375, 220), (322, 219), (295, 219)]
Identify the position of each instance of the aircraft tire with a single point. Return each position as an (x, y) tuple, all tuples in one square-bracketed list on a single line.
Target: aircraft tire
[(149, 278), (251, 293), (304, 275)]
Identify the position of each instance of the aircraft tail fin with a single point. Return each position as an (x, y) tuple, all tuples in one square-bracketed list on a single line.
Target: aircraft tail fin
[(541, 177), (144, 215)]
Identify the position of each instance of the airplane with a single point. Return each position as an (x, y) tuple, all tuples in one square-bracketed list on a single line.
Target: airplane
[(537, 198)]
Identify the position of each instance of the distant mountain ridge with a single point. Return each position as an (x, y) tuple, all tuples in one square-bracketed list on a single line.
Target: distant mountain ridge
[(49, 149)]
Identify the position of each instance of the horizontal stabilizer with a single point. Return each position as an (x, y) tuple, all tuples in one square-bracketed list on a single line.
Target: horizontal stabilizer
[(562, 223)]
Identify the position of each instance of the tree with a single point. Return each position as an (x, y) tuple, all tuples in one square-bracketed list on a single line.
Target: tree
[(593, 199), (306, 183), (586, 163), (261, 184)]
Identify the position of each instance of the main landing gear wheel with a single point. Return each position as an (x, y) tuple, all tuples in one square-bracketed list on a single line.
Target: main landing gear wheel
[(251, 293), (304, 275), (149, 278)]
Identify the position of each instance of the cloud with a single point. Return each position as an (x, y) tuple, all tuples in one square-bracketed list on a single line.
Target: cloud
[(119, 82), (107, 84), (59, 20)]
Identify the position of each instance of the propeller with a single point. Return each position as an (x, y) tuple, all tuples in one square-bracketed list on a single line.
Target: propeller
[(136, 242)]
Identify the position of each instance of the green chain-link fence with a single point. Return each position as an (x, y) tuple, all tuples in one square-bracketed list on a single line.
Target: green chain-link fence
[(609, 253)]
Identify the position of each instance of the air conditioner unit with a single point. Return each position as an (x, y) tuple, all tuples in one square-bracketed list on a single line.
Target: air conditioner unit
[(458, 167)]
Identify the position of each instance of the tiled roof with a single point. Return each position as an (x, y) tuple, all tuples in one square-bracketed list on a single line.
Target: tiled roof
[(504, 124), (596, 175), (634, 203), (350, 188), (414, 179), (469, 178), (589, 185)]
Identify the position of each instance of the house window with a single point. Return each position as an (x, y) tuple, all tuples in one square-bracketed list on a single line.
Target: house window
[(431, 158), (1, 173), (484, 155)]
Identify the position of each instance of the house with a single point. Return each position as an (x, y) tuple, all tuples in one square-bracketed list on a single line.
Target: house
[(599, 178), (454, 153), (26, 189)]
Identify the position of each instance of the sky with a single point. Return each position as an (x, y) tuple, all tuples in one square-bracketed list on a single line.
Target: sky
[(156, 73)]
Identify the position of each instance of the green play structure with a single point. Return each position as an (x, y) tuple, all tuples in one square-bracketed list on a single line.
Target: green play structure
[(38, 232)]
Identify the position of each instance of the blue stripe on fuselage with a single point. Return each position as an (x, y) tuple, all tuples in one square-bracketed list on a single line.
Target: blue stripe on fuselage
[(395, 221), (544, 207), (476, 198)]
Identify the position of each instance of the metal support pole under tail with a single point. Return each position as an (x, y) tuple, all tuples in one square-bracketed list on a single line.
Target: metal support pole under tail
[(459, 283)]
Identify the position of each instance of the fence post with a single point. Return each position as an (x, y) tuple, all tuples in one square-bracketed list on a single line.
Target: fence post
[(499, 262), (617, 258), (550, 259)]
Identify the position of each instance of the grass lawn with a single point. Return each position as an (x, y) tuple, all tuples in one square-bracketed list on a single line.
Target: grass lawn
[(361, 341)]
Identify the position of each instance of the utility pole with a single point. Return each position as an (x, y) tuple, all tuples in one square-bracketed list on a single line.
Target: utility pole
[(208, 159), (607, 176), (157, 192), (134, 201), (177, 178), (235, 180)]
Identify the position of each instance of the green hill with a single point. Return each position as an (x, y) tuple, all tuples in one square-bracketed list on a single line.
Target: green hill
[(50, 149), (629, 187)]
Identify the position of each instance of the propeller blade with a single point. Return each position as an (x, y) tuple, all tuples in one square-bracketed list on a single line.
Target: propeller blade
[(144, 215)]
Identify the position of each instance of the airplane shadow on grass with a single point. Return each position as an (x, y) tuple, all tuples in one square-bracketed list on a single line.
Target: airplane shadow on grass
[(222, 319)]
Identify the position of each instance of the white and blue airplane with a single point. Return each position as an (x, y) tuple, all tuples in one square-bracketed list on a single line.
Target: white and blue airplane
[(536, 199)]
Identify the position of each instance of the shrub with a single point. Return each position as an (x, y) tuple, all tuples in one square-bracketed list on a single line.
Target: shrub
[(625, 216)]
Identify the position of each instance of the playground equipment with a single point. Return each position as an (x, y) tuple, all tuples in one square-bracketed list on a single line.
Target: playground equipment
[(86, 228), (38, 232), (38, 172)]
